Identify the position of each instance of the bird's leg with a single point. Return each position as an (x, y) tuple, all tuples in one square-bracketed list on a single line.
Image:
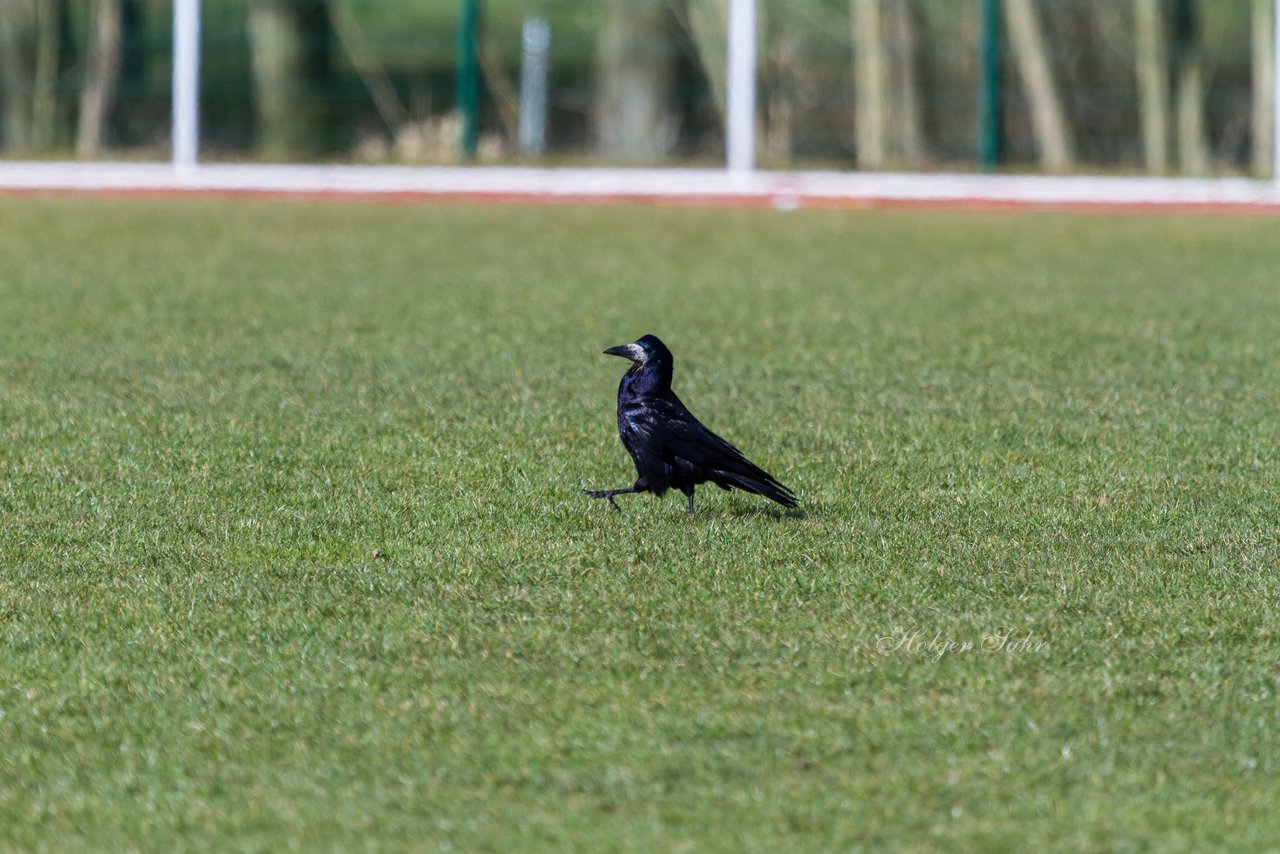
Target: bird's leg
[(609, 493), (690, 494)]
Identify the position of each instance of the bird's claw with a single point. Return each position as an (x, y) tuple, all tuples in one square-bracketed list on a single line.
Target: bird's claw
[(603, 493)]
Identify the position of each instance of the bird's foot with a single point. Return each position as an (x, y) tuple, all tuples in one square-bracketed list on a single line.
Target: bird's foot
[(603, 493)]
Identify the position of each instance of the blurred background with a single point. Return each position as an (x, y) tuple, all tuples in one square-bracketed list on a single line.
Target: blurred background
[(1068, 86)]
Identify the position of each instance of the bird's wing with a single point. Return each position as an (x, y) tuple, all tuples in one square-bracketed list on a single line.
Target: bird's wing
[(683, 435), (671, 432)]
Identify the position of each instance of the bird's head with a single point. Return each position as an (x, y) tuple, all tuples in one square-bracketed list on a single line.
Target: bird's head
[(641, 351)]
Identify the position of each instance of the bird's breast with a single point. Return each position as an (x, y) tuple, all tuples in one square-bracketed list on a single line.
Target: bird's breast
[(631, 420)]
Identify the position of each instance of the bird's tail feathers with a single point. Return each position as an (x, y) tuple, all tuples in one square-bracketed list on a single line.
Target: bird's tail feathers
[(761, 484)]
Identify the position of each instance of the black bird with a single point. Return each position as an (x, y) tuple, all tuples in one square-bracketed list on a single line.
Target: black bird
[(670, 447)]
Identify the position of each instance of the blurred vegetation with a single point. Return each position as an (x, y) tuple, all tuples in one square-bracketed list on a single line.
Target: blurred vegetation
[(641, 80)]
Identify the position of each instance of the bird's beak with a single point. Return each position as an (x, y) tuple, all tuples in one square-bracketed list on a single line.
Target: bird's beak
[(626, 351)]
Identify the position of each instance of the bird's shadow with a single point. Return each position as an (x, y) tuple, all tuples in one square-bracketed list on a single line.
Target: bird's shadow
[(736, 509), (752, 511)]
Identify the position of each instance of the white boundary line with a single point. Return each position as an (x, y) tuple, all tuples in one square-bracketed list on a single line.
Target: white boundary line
[(675, 186)]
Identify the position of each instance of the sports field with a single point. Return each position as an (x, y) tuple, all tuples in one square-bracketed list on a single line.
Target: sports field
[(293, 552)]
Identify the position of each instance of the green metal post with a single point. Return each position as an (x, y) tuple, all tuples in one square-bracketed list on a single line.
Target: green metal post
[(989, 84), (469, 76)]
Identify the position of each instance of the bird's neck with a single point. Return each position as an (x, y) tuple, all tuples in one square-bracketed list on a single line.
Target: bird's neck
[(648, 379)]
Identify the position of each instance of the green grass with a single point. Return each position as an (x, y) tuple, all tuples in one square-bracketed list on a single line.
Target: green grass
[(293, 553)]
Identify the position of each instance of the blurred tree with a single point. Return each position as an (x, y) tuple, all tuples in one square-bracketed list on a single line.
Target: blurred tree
[(501, 85), (17, 29), (1193, 152), (908, 118), (1048, 118), (30, 49), (44, 96), (364, 59), (708, 25), (276, 38), (638, 64), (1264, 81), (290, 53), (870, 83), (1152, 54), (785, 73), (101, 77), (888, 120)]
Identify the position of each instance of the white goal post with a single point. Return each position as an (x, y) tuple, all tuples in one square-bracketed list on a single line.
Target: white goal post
[(1275, 92), (186, 84)]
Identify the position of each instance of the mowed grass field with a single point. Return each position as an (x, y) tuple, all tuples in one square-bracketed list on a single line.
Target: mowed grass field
[(293, 553)]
